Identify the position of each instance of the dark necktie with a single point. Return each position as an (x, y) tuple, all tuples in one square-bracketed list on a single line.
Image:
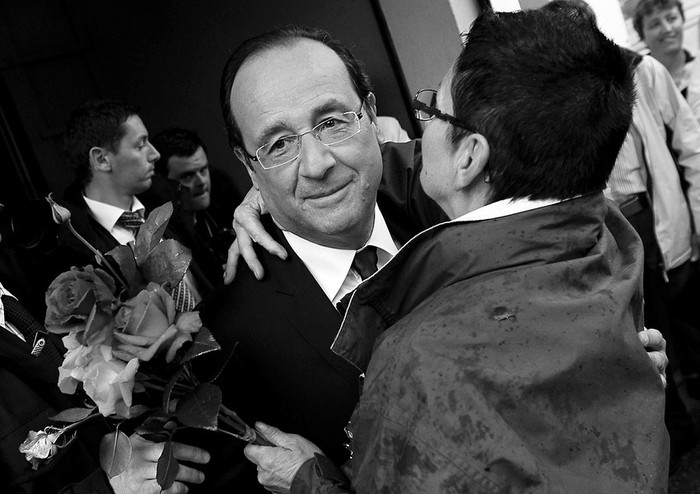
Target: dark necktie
[(365, 264), (131, 220), (32, 330)]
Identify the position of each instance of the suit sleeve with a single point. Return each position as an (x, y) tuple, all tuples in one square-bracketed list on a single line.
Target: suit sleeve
[(95, 483)]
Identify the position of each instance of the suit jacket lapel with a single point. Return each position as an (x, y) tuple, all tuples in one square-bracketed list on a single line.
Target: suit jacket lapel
[(304, 305)]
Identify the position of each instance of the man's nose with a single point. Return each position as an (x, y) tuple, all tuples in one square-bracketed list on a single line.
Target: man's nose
[(154, 154), (315, 158), (198, 178)]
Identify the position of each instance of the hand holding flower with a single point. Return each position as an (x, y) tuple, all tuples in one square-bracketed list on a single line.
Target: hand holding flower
[(140, 476)]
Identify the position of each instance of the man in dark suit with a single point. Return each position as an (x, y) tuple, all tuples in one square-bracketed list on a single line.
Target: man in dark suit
[(209, 194), (322, 192)]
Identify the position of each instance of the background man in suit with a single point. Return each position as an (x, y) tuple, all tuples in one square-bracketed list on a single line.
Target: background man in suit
[(208, 207), (115, 188)]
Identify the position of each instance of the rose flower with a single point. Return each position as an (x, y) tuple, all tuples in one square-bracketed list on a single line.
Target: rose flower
[(106, 379), (40, 445), (149, 322), (73, 294)]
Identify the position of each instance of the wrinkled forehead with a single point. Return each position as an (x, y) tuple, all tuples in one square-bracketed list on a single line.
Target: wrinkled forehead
[(286, 84)]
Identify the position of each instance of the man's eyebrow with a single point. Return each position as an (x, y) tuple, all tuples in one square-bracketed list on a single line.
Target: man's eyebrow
[(274, 129), (329, 106)]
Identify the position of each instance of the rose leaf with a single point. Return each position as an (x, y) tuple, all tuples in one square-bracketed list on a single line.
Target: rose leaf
[(168, 467), (167, 262), (167, 392), (151, 232), (115, 453), (204, 342), (124, 256), (201, 408), (72, 415), (137, 411)]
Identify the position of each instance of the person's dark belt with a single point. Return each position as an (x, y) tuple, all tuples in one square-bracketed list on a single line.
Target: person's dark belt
[(635, 204)]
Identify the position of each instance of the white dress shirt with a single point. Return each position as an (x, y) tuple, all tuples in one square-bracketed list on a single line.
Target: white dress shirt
[(108, 215), (331, 267)]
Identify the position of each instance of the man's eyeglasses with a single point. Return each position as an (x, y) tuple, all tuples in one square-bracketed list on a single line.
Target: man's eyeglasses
[(424, 109), (331, 131)]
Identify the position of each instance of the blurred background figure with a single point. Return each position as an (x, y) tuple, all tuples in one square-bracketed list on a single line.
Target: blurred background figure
[(661, 148), (210, 196), (660, 24)]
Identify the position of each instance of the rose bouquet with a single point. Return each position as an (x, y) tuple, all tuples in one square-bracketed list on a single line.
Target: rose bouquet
[(125, 340)]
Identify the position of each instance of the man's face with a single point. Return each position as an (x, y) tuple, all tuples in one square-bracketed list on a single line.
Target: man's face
[(436, 174), (663, 31), (326, 195), (193, 173), (132, 163)]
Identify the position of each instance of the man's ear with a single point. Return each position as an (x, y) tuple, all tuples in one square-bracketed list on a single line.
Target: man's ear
[(240, 154), (100, 159), (471, 159), (371, 105), (371, 112)]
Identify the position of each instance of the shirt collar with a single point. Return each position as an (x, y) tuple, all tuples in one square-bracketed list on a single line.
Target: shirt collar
[(506, 207), (106, 214), (330, 266)]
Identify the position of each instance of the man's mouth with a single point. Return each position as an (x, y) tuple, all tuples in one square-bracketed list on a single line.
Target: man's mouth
[(326, 193)]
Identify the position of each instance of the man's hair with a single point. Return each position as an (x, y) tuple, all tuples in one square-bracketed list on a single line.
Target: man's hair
[(553, 97), (647, 7), (175, 142), (279, 38), (94, 123)]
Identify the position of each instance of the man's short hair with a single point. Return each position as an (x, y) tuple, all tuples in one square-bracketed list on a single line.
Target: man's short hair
[(175, 141), (94, 123), (283, 37), (553, 97), (647, 7)]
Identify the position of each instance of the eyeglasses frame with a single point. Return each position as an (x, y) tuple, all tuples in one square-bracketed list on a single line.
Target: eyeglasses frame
[(358, 114), (419, 106)]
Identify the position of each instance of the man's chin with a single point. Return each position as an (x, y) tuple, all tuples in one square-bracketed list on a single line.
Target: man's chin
[(200, 204), (144, 186)]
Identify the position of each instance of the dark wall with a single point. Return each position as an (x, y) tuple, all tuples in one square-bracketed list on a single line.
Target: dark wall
[(164, 56)]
